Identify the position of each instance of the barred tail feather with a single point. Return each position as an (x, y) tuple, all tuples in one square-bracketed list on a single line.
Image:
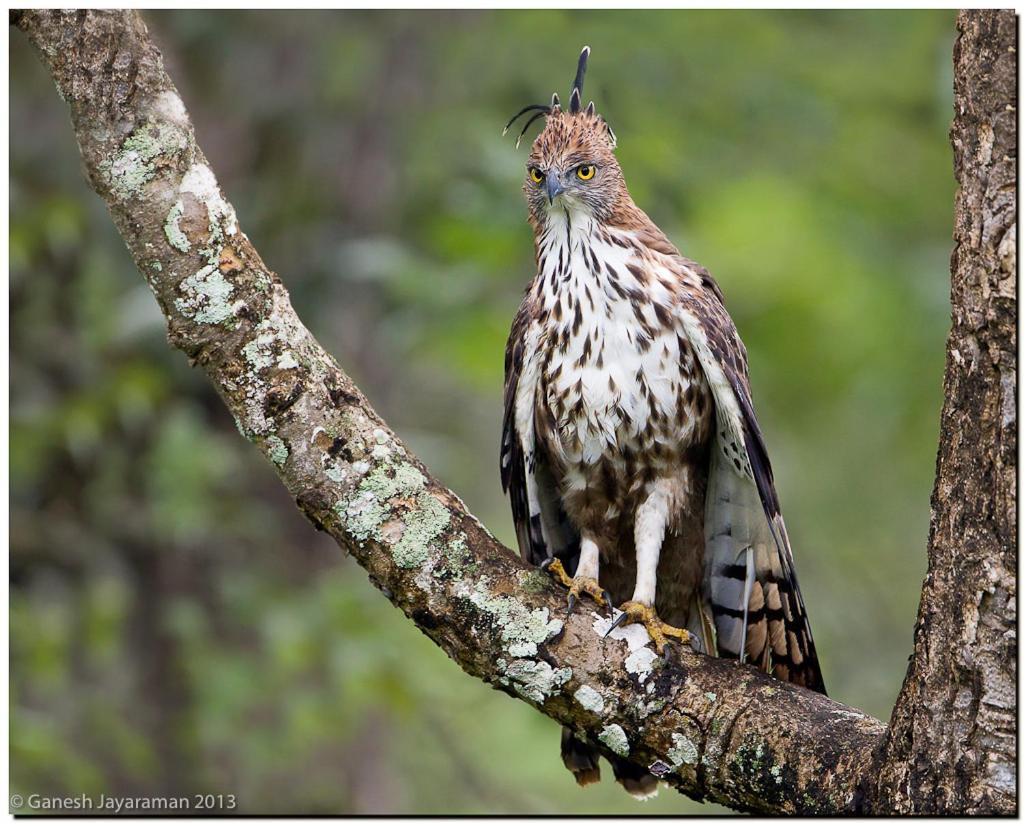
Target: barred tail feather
[(758, 611)]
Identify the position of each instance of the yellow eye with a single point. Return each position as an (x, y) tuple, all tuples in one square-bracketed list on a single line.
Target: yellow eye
[(536, 175), (586, 172)]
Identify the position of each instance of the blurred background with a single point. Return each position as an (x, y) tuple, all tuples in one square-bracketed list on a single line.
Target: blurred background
[(177, 626)]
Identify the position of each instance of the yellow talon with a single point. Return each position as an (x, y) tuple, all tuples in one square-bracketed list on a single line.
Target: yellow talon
[(557, 570), (578, 586), (634, 612)]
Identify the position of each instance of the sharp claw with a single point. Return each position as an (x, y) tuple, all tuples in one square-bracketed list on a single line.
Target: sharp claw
[(572, 605), (607, 598), (622, 618), (546, 563)]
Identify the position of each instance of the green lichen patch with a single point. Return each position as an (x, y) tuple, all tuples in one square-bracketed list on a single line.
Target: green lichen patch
[(458, 560), (522, 628), (425, 522), (277, 449), (647, 709), (366, 510), (136, 163), (336, 473), (206, 297), (172, 229), (420, 520), (684, 752), (536, 680), (615, 739), (754, 764), (590, 699), (258, 351)]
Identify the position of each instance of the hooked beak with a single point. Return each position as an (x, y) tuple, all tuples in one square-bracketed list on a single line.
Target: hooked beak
[(553, 187)]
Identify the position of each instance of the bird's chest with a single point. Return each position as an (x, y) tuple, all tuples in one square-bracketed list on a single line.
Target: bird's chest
[(622, 399)]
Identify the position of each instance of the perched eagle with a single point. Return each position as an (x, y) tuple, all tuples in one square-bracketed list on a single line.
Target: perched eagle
[(630, 449)]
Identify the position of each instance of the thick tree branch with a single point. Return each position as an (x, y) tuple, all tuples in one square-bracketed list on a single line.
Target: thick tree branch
[(712, 728), (952, 743)]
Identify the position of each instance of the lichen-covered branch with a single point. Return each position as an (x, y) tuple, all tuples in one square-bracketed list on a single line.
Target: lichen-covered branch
[(712, 728)]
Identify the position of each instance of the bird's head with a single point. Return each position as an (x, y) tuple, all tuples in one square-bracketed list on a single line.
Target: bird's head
[(572, 163)]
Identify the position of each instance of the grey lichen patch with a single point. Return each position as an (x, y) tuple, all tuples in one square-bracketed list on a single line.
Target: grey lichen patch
[(641, 659), (590, 699), (711, 697), (684, 752), (641, 663), (420, 521), (365, 511), (137, 161), (647, 709), (200, 182), (206, 297), (536, 680), (241, 428), (615, 739), (172, 229), (336, 473), (422, 525), (522, 628), (258, 351), (277, 449)]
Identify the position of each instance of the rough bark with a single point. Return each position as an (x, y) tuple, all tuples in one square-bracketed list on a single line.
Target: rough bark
[(951, 747), (712, 728)]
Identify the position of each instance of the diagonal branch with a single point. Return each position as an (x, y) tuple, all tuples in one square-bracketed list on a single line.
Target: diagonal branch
[(712, 728)]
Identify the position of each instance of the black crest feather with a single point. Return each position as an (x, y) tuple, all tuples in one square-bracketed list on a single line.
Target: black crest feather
[(535, 107), (576, 97), (575, 101)]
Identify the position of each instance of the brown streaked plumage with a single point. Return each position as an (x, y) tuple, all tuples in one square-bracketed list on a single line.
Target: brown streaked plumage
[(630, 448)]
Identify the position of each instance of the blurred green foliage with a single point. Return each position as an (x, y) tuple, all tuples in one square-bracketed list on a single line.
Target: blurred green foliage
[(176, 626)]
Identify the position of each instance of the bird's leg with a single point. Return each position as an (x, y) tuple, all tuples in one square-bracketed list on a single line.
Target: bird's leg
[(585, 581), (649, 533)]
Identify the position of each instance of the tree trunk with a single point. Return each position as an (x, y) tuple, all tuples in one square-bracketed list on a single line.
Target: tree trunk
[(951, 746), (712, 728)]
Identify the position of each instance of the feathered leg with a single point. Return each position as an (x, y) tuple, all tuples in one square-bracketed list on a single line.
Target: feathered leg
[(649, 532)]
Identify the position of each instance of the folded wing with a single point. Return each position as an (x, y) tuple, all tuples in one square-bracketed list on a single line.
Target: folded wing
[(750, 579), (542, 528)]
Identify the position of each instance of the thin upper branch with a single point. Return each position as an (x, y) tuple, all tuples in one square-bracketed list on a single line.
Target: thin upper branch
[(714, 729)]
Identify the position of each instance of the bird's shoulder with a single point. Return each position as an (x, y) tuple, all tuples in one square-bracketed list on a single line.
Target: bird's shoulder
[(516, 343), (698, 296)]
